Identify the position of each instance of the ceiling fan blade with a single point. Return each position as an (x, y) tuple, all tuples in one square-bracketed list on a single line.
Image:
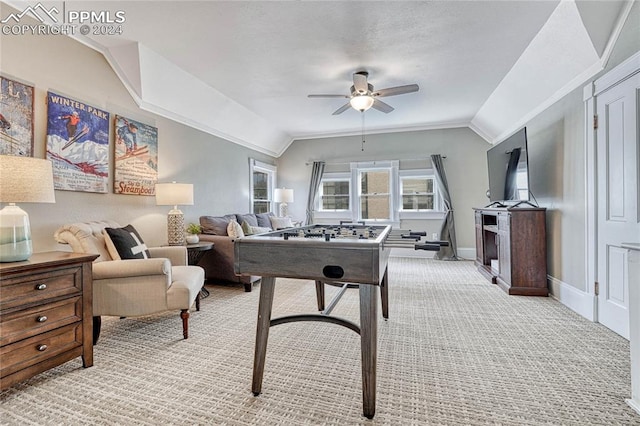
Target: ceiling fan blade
[(381, 106), (360, 81), (327, 96), (342, 109), (399, 90)]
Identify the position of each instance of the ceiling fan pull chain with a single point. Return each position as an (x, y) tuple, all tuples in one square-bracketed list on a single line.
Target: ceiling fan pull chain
[(362, 112)]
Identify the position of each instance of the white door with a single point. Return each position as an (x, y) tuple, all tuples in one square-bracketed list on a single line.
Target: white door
[(617, 194)]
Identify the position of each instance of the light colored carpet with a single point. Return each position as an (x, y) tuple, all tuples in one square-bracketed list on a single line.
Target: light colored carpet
[(456, 350)]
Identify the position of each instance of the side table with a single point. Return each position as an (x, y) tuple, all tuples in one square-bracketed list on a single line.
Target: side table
[(194, 254)]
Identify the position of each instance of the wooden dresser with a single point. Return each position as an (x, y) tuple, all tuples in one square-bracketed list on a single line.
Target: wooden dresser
[(45, 314)]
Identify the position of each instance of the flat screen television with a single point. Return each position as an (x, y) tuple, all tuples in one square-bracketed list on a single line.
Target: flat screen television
[(509, 170)]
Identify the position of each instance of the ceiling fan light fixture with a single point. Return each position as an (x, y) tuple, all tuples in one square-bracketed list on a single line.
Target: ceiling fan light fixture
[(361, 102)]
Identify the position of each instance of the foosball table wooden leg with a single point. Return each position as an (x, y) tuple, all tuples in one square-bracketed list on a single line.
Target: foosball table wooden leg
[(267, 286), (320, 295), (368, 347), (384, 295)]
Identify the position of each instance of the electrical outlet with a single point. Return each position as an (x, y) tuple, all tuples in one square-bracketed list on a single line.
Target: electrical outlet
[(434, 236)]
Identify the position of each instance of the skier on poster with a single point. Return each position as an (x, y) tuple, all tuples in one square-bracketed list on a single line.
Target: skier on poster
[(73, 120), (128, 135)]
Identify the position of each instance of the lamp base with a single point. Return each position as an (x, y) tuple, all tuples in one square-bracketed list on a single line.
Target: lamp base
[(284, 210), (175, 228), (15, 234)]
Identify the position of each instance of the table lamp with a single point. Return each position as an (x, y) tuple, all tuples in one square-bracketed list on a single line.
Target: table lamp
[(283, 196), (22, 180), (175, 194)]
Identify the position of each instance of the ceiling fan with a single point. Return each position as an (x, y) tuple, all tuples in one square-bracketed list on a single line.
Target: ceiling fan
[(363, 97)]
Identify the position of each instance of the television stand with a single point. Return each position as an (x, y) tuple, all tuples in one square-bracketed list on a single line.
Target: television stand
[(511, 248)]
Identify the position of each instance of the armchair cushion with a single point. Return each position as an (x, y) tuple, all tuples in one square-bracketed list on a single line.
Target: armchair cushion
[(131, 268), (125, 243)]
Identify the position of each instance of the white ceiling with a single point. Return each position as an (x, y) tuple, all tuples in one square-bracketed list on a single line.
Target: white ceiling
[(243, 69)]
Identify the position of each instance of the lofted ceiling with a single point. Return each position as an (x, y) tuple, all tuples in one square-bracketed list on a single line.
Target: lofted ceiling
[(242, 70)]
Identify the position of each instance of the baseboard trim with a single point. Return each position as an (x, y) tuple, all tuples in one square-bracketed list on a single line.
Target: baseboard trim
[(578, 301)]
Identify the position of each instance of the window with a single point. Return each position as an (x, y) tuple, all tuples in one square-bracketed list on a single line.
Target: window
[(378, 191), (375, 194), (418, 193), (263, 178), (335, 194)]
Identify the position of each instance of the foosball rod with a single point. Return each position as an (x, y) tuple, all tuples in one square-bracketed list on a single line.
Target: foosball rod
[(332, 304)]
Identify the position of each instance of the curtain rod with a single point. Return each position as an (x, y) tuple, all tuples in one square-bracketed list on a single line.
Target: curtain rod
[(332, 163)]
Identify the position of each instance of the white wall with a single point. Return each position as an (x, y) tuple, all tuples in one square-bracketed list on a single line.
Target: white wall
[(466, 168), (218, 169)]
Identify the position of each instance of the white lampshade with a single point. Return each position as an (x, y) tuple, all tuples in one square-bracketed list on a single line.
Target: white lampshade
[(361, 102), (283, 195), (175, 194), (22, 180)]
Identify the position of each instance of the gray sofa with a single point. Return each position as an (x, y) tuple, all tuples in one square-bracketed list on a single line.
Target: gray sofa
[(218, 263)]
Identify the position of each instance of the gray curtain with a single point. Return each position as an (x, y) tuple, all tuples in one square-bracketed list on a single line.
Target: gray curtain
[(448, 229), (316, 176)]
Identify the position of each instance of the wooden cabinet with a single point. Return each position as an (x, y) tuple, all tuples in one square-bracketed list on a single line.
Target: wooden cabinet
[(45, 314), (511, 248)]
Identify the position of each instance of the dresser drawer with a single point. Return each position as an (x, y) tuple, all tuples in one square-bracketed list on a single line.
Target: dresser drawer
[(19, 325), (39, 348), (20, 290)]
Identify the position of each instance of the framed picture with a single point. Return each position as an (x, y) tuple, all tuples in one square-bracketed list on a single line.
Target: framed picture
[(136, 157), (16, 118), (77, 144)]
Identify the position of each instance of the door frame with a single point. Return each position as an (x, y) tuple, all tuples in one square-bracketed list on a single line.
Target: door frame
[(620, 73)]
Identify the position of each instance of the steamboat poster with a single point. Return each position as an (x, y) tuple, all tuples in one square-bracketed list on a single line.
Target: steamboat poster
[(16, 118), (136, 154), (77, 144)]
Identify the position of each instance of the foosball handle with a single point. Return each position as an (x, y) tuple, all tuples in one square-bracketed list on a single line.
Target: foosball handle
[(431, 245)]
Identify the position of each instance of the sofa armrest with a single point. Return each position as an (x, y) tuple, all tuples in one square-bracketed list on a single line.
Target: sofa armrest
[(177, 255), (131, 268)]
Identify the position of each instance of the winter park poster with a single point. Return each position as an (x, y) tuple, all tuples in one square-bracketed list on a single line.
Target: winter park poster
[(77, 144), (136, 155)]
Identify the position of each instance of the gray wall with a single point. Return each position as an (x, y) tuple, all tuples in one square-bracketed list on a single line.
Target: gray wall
[(218, 169), (465, 166), (557, 154)]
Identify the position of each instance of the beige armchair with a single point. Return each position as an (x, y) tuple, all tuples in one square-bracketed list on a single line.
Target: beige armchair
[(135, 287)]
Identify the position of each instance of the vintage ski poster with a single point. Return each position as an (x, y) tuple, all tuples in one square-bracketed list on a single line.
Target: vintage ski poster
[(77, 144), (136, 154), (16, 118)]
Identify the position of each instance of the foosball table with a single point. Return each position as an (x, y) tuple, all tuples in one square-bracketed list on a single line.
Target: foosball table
[(348, 255)]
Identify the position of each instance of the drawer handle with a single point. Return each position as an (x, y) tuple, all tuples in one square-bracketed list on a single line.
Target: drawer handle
[(42, 348), (41, 286), (43, 318)]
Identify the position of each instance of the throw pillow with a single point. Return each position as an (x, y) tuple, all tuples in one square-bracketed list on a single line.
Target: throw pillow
[(280, 222), (246, 228), (215, 225), (260, 229), (125, 243), (234, 230), (263, 220)]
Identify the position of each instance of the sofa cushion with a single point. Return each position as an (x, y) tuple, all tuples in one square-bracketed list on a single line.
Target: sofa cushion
[(250, 218), (263, 220), (250, 230), (280, 222), (216, 225), (125, 243), (234, 230)]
